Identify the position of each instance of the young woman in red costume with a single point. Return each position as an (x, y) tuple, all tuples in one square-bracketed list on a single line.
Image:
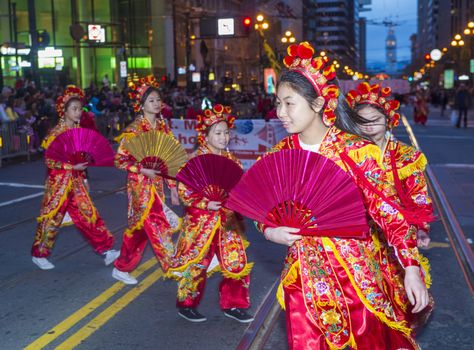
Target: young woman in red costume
[(66, 190), (210, 230), (404, 164), (146, 216), (336, 292)]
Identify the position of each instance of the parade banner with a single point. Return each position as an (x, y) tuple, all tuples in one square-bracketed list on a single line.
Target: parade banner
[(249, 139)]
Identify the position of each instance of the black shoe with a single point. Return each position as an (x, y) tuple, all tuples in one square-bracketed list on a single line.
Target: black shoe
[(191, 314), (238, 314)]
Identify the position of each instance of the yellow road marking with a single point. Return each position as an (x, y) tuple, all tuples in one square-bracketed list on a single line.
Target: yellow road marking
[(87, 330), (69, 322)]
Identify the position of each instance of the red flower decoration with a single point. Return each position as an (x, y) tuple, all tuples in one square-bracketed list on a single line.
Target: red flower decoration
[(217, 114), (375, 96), (305, 51), (317, 71)]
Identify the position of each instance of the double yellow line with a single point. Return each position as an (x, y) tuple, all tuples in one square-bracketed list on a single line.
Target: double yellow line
[(88, 329)]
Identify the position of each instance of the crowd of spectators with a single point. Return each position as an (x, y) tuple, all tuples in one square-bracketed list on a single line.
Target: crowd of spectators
[(28, 110)]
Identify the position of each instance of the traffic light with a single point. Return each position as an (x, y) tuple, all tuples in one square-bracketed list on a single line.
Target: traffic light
[(247, 24), (43, 38), (427, 57)]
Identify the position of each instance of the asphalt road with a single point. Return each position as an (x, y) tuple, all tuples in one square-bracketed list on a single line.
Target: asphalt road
[(79, 304)]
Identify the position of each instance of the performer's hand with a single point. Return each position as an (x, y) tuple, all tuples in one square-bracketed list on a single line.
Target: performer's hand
[(213, 205), (422, 239), (416, 289), (282, 235), (149, 173), (80, 166), (174, 196)]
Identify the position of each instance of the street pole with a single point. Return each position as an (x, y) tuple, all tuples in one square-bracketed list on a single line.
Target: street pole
[(15, 38), (34, 41), (77, 49), (188, 53)]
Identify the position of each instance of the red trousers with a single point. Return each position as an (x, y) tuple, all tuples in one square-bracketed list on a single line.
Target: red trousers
[(96, 233), (232, 292), (157, 231), (368, 331)]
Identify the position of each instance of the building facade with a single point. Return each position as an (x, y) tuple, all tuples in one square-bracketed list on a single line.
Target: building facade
[(51, 41), (333, 27)]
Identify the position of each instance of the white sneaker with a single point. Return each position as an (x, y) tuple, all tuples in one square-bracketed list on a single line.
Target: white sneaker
[(42, 263), (110, 256), (213, 264), (123, 276)]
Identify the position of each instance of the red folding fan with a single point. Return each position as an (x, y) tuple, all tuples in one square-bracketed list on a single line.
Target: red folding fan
[(80, 145), (211, 175), (301, 189)]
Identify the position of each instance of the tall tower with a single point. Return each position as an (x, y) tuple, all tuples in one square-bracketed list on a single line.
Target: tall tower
[(391, 52)]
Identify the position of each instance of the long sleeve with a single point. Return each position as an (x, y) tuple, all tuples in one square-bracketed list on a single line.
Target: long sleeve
[(192, 199), (125, 161), (384, 211), (417, 192), (399, 233), (56, 165)]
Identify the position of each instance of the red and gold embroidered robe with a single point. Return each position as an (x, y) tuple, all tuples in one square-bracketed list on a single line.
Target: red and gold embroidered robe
[(65, 190), (141, 189), (60, 181), (202, 226), (409, 181), (341, 280)]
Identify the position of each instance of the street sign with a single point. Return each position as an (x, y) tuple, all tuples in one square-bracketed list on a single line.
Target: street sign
[(196, 77), (96, 33), (123, 69), (225, 26), (448, 79), (471, 70)]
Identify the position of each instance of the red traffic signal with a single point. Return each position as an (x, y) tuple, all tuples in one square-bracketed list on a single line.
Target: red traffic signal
[(247, 21), (427, 57)]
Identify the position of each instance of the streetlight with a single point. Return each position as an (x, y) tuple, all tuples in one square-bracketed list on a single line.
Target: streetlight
[(261, 23), (288, 38)]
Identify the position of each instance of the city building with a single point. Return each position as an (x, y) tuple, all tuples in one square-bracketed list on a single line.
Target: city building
[(76, 41), (333, 27)]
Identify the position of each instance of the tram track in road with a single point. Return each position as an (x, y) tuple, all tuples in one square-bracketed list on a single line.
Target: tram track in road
[(10, 226)]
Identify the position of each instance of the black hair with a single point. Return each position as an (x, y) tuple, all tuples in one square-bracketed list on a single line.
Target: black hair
[(346, 119), (358, 107)]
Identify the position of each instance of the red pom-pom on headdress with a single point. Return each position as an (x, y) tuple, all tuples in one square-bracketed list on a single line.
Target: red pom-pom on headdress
[(218, 113), (375, 96), (318, 72), (138, 90), (70, 92)]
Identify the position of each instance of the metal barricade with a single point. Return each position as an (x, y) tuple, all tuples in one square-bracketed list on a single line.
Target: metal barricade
[(13, 143)]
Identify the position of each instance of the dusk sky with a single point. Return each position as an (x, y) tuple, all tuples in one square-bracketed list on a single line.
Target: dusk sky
[(402, 12)]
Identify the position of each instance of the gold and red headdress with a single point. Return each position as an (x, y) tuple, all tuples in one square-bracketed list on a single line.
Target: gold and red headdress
[(138, 90), (218, 113), (376, 96), (70, 92), (319, 73)]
